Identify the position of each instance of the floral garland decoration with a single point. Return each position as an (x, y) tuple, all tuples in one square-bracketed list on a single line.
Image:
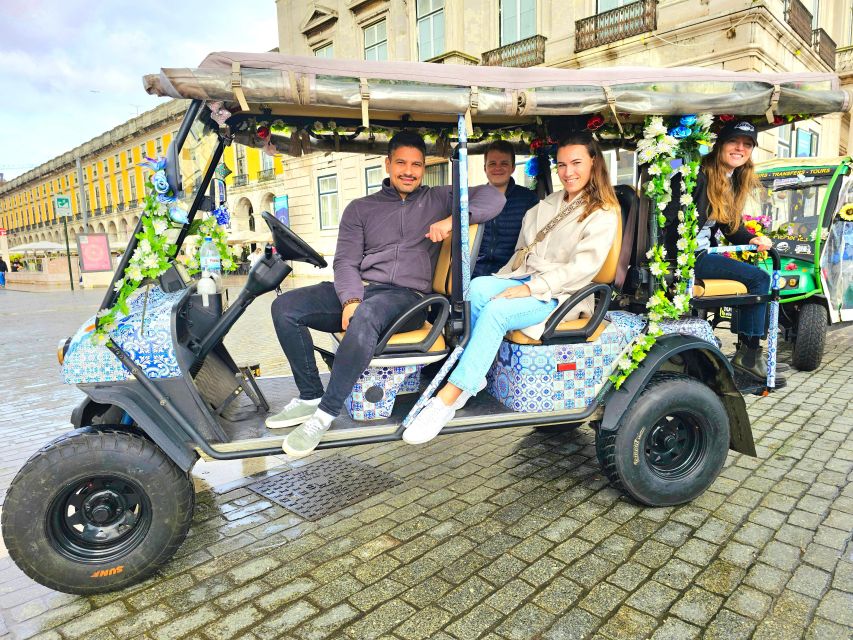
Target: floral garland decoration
[(154, 252), (658, 147)]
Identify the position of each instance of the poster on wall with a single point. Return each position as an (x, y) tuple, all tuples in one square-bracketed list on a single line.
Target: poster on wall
[(94, 252), (282, 212)]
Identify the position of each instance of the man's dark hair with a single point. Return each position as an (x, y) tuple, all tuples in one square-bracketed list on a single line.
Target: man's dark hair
[(406, 139), (501, 146)]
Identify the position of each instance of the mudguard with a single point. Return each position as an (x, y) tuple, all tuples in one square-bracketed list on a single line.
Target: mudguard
[(699, 359)]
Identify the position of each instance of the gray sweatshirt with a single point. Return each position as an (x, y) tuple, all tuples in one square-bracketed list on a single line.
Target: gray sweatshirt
[(381, 237)]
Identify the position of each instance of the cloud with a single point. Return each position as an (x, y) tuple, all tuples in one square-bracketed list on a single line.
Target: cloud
[(72, 69)]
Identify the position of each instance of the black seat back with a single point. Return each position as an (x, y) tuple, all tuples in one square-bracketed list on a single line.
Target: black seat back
[(629, 202)]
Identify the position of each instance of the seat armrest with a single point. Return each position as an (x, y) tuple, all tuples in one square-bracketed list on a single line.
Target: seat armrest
[(601, 307), (421, 305)]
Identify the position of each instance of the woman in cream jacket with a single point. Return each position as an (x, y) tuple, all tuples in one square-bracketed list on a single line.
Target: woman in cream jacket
[(547, 268)]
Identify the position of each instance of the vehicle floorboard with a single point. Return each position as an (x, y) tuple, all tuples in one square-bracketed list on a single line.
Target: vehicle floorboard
[(246, 428)]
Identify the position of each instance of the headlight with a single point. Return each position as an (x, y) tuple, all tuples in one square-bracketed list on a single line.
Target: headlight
[(62, 349), (794, 282)]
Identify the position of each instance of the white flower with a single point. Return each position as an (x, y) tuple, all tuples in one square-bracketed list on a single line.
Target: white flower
[(654, 316), (159, 225), (151, 261), (118, 285), (144, 246), (654, 170), (686, 199), (680, 215), (680, 301), (657, 269), (681, 244), (646, 155), (655, 128), (654, 327), (134, 273), (102, 313), (704, 120), (650, 188), (624, 362), (681, 229), (109, 326), (682, 259), (665, 199), (100, 339)]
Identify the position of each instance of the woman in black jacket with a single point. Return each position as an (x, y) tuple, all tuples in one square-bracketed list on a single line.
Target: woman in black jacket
[(726, 177)]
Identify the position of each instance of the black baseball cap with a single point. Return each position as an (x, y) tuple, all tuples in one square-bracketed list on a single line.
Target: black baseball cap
[(734, 129)]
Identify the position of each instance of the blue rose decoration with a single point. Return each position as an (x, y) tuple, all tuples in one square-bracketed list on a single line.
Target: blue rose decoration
[(680, 132), (531, 167), (688, 121), (160, 182), (222, 215), (178, 215)]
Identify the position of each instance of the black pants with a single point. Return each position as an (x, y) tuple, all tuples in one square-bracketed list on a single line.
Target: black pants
[(317, 307)]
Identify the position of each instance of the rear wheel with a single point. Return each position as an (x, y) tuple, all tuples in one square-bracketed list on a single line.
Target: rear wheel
[(96, 511), (671, 443), (811, 337)]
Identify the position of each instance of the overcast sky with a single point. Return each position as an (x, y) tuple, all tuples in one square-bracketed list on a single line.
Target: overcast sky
[(72, 69)]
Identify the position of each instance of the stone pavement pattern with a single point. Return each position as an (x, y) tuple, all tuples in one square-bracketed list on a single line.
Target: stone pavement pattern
[(502, 535)]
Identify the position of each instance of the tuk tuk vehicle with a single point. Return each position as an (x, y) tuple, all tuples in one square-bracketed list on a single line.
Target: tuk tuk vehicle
[(105, 505), (805, 206)]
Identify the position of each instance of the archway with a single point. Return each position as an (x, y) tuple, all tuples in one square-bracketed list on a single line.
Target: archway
[(122, 230), (245, 211), (267, 203), (112, 232)]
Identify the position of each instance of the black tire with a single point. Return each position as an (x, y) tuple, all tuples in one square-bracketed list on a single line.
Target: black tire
[(671, 443), (811, 337), (93, 512)]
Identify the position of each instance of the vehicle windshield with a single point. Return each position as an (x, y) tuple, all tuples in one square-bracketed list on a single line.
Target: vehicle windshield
[(792, 210), (195, 155)]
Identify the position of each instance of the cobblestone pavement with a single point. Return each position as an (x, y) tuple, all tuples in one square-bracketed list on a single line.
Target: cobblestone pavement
[(511, 534)]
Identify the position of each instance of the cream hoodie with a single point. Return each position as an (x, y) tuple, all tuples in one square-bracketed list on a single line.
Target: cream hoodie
[(567, 259)]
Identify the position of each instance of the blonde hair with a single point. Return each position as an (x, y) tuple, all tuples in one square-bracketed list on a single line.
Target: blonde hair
[(598, 192), (726, 199)]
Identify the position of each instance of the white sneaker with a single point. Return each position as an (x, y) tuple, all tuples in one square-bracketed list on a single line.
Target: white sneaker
[(429, 422), (296, 411), (465, 396)]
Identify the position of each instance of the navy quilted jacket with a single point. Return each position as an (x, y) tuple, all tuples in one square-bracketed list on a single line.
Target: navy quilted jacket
[(501, 233)]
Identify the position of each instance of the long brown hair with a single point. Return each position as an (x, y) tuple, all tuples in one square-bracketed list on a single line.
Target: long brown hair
[(726, 199), (598, 192)]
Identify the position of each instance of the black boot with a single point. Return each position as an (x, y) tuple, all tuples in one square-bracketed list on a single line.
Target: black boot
[(750, 359)]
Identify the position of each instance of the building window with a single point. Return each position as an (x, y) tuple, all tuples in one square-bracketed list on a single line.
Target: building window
[(109, 195), (120, 192), (814, 8), (376, 41), (158, 144), (607, 5), (267, 161), (143, 151), (430, 28), (806, 143), (325, 51), (94, 171), (436, 175), (132, 180), (67, 182), (130, 157), (240, 152), (518, 20), (783, 142), (117, 161), (327, 188), (97, 198), (373, 179)]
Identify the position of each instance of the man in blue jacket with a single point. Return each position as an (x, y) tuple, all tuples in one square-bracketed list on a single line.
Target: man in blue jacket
[(501, 233), (388, 244)]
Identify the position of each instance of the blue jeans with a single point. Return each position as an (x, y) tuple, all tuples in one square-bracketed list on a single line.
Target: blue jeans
[(750, 318), (490, 320)]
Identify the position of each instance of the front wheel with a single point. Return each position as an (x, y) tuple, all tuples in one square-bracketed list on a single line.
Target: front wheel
[(811, 337), (94, 512), (671, 443)]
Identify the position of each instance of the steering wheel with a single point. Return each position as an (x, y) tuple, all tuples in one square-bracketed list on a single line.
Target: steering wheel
[(289, 245)]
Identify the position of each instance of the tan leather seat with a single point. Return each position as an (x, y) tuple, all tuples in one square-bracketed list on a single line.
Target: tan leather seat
[(441, 283), (605, 276), (710, 288)]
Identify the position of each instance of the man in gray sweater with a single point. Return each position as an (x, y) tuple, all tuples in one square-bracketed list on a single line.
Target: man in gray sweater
[(389, 240)]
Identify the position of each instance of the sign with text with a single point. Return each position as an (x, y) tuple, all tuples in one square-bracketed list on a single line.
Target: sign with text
[(94, 252), (282, 210), (62, 205), (2, 231)]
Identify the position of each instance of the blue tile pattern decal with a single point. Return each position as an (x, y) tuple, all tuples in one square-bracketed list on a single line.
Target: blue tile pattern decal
[(692, 327), (526, 377), (150, 346), (386, 383)]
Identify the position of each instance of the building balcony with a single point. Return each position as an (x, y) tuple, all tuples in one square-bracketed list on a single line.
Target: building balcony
[(825, 47), (97, 212), (108, 209), (241, 180), (799, 18), (616, 24), (524, 53), (266, 174)]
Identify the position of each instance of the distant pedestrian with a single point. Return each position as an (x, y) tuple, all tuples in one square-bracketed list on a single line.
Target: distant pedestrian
[(3, 269), (256, 255)]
